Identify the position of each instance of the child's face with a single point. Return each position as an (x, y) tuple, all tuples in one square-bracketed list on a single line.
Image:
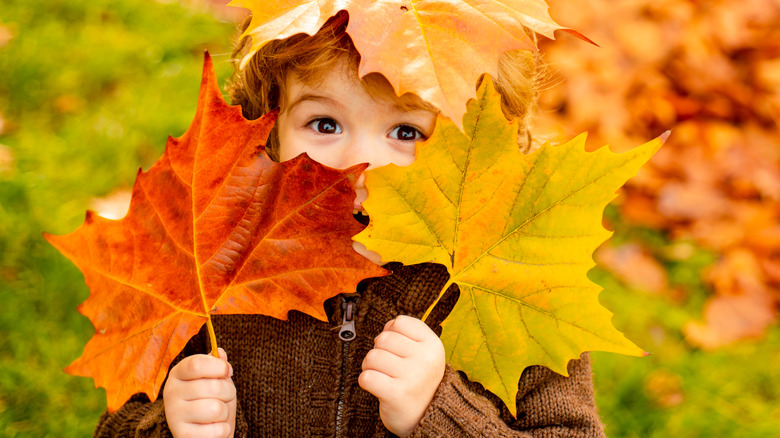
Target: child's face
[(337, 123)]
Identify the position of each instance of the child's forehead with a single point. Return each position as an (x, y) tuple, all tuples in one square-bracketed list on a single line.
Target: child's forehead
[(343, 77), (379, 87)]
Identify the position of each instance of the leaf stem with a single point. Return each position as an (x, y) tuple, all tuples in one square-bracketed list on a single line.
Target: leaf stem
[(441, 294), (212, 337)]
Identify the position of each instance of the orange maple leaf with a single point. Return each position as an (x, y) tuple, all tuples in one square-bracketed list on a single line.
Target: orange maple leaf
[(214, 227), (435, 49)]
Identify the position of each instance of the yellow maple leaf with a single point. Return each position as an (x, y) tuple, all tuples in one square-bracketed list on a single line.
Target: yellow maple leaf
[(517, 234)]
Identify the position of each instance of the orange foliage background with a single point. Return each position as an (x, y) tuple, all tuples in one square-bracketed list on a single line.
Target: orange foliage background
[(710, 72)]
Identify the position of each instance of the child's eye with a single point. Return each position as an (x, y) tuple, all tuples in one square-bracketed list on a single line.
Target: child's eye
[(325, 125), (407, 133)]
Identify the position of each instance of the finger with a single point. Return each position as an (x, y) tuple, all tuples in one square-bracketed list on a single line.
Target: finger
[(384, 362), (202, 366), (205, 411), (211, 430), (377, 383), (367, 253), (220, 389), (411, 327), (396, 343)]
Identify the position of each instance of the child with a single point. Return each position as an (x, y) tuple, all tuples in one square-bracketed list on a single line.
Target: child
[(373, 369)]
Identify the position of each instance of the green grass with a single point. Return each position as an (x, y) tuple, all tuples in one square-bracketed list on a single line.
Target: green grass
[(680, 390), (89, 91)]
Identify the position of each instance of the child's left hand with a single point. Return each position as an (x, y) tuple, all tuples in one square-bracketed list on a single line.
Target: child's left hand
[(403, 371)]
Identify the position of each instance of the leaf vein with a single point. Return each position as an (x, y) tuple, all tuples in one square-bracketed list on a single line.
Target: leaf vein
[(164, 227), (485, 340), (519, 192), (550, 207), (131, 335), (519, 262), (260, 239), (428, 50), (541, 311), (419, 215), (291, 272), (489, 18), (438, 185), (149, 292)]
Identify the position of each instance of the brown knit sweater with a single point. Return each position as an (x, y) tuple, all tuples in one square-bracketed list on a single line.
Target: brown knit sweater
[(297, 378)]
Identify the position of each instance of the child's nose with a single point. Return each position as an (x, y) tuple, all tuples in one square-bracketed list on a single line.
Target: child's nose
[(363, 149)]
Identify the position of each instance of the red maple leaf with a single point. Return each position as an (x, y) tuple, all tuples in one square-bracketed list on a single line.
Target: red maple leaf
[(214, 227)]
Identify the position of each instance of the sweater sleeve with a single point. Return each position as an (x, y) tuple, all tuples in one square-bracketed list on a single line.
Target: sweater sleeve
[(136, 418), (548, 405)]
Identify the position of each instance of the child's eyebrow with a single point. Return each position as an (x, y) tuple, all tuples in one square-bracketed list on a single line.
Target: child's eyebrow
[(309, 97), (412, 106), (418, 109)]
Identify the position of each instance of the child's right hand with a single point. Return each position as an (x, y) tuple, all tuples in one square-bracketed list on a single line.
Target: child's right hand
[(200, 397)]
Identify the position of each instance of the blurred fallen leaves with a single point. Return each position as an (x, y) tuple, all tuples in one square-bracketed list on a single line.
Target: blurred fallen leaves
[(218, 8), (665, 388), (5, 35), (710, 71), (635, 266), (6, 158)]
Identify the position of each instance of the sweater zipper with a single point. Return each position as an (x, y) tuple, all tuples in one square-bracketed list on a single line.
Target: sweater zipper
[(347, 333)]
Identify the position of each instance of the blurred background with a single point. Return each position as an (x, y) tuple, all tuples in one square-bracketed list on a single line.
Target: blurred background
[(89, 91)]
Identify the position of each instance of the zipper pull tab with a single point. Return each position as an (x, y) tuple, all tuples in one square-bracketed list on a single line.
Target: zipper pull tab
[(347, 331)]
